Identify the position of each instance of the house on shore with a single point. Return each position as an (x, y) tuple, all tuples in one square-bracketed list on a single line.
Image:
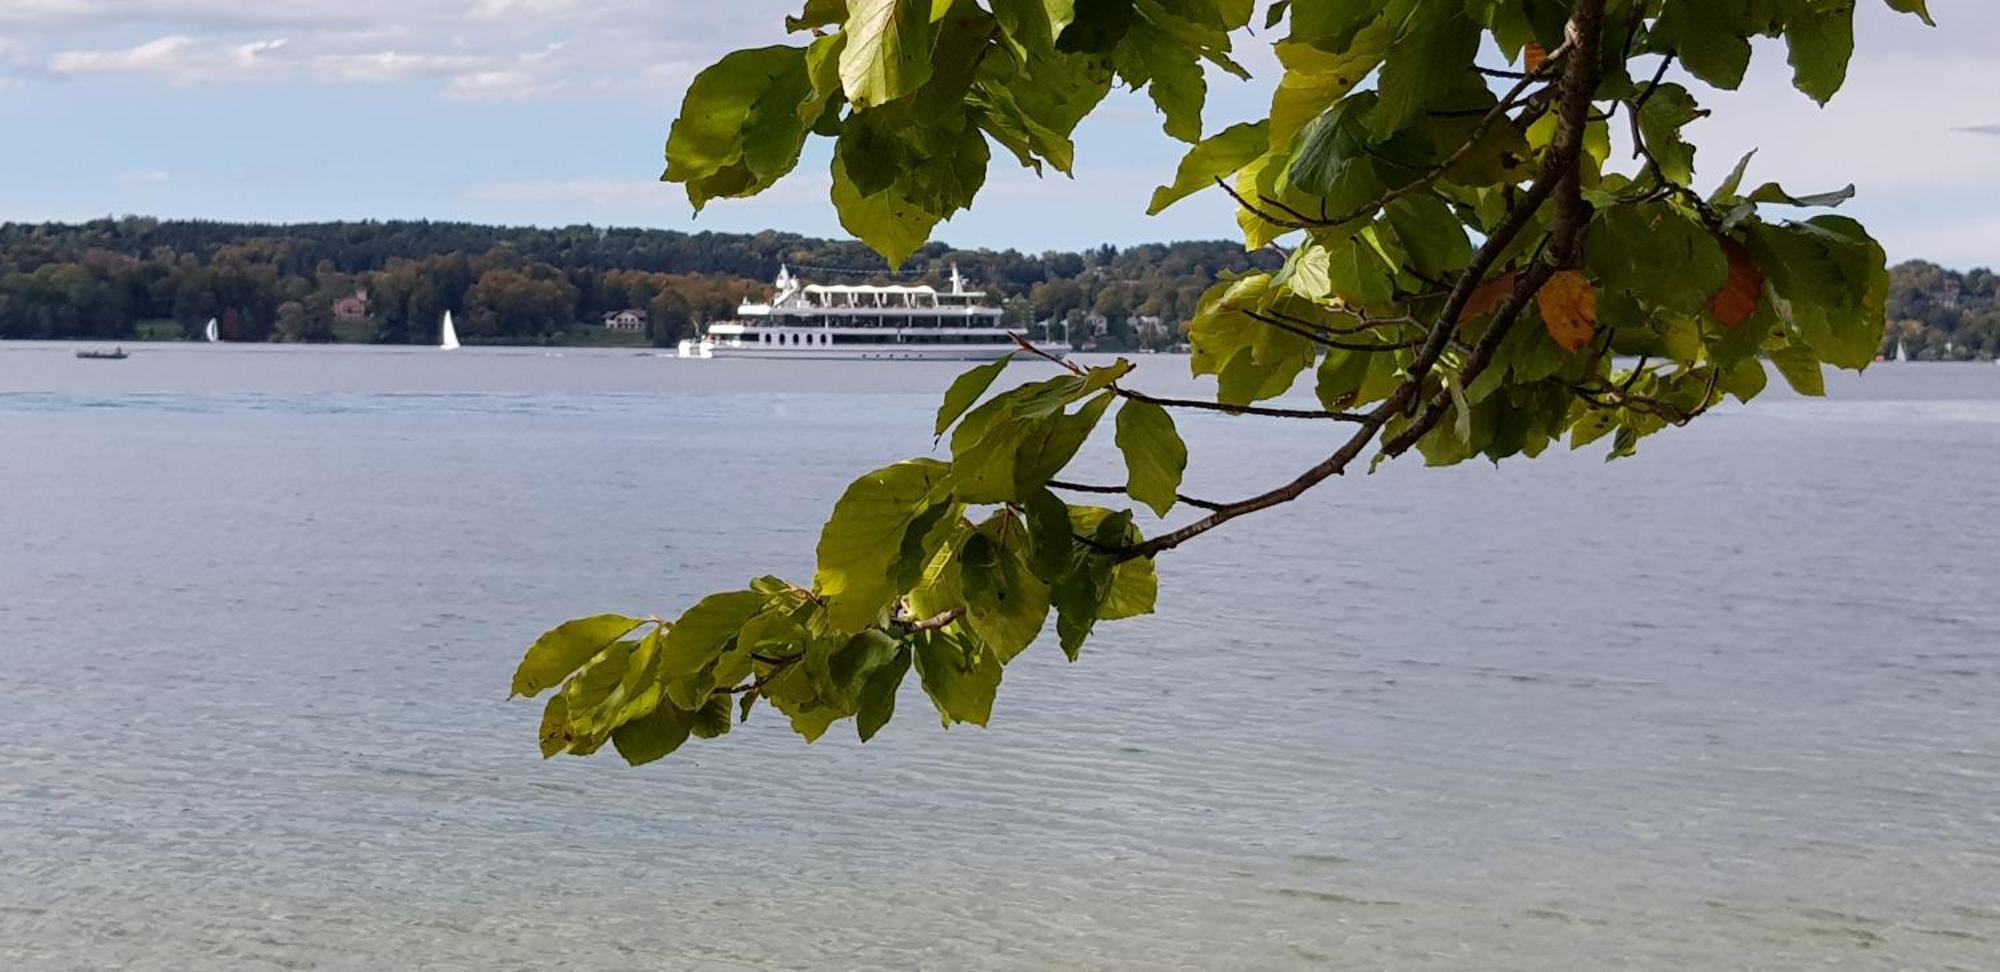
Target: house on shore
[(352, 308), (629, 319)]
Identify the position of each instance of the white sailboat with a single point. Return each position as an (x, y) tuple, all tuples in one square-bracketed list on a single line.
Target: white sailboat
[(1902, 352), (212, 333), (448, 340)]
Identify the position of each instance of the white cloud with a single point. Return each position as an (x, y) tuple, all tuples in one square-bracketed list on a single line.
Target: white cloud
[(384, 66), (510, 85), (153, 55), (470, 49)]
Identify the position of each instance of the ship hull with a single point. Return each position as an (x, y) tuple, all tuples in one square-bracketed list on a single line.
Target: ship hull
[(863, 352)]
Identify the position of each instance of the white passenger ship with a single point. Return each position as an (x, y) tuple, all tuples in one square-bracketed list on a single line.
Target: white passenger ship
[(818, 321)]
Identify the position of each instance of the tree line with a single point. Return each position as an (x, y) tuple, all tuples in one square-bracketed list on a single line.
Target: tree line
[(1943, 315), (135, 277)]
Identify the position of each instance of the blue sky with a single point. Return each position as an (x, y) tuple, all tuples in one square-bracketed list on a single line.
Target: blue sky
[(553, 112)]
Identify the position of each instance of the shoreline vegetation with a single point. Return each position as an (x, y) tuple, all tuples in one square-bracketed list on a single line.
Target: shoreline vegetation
[(142, 279), (139, 279)]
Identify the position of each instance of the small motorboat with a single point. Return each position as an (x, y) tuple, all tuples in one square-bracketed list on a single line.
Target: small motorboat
[(115, 354)]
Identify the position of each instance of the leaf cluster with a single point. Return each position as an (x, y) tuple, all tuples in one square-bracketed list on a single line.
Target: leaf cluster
[(948, 567), (1466, 267)]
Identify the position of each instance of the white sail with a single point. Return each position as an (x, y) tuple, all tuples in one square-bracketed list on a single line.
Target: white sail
[(449, 339), (212, 333), (1902, 353)]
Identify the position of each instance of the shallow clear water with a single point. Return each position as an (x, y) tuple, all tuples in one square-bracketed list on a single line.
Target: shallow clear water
[(1729, 705)]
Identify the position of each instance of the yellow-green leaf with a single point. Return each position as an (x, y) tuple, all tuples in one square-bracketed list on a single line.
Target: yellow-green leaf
[(566, 648), (1155, 456)]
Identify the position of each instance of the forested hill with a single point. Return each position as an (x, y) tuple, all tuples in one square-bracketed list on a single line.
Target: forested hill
[(1940, 314), (134, 277)]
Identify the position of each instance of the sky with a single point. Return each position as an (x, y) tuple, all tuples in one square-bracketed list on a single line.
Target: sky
[(553, 112)]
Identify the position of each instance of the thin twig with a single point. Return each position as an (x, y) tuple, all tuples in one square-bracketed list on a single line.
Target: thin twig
[(1266, 411), (1120, 490), (1260, 214), (910, 626), (1324, 341)]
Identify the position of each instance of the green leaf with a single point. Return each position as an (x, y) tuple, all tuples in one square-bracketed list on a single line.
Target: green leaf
[(588, 697), (1913, 6), (1726, 192), (1425, 62), (652, 736), (1359, 276), (878, 695), (1332, 24), (1834, 280), (1051, 443), (1315, 77), (712, 719), (1307, 272), (566, 648), (1801, 370), (1171, 73), (890, 224), (1275, 14), (1094, 588), (966, 390), (1155, 456), (1335, 159), (1049, 532), (1005, 603), (921, 541), (1711, 37), (1744, 379), (1219, 156), (1134, 590), (1669, 110), (960, 676), (895, 179), (888, 50), (1350, 379), (1771, 192), (1821, 41), (739, 130), (818, 13), (555, 726), (1658, 254), (1034, 116), (1431, 233), (695, 641), (863, 539)]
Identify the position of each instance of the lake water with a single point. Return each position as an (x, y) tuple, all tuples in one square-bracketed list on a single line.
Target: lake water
[(1734, 704)]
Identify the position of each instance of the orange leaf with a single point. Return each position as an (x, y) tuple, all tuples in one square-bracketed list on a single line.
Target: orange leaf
[(1486, 297), (1534, 55), (1739, 297), (1569, 309)]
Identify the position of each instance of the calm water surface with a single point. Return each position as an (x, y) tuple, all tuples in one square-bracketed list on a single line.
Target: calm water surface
[(1730, 705)]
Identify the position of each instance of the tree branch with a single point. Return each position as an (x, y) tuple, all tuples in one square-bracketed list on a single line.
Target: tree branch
[(909, 626), (1305, 331), (1507, 103), (1201, 504), (1195, 403), (1584, 32)]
